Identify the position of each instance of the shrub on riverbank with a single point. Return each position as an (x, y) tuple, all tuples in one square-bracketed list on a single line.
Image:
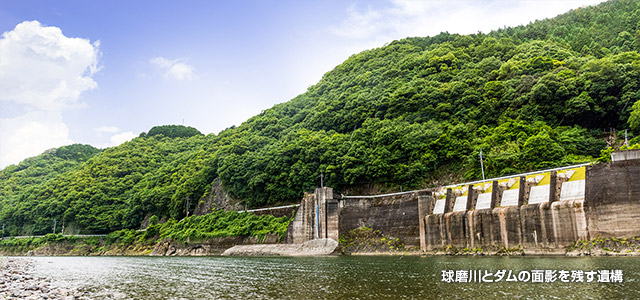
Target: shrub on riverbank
[(223, 224), (35, 241), (216, 224)]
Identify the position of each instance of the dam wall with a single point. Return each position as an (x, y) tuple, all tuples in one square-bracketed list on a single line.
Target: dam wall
[(394, 215), (542, 211), (612, 203), (538, 212), (325, 214)]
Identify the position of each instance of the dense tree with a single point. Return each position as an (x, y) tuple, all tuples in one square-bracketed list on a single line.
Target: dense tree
[(172, 131), (411, 114)]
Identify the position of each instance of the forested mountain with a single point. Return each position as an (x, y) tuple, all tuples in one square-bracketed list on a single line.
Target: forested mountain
[(15, 179), (412, 114)]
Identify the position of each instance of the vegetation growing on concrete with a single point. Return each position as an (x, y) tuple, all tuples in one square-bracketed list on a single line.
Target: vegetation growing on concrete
[(605, 246), (368, 240), (499, 250)]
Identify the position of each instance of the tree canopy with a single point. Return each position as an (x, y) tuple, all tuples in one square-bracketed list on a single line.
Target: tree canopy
[(412, 114)]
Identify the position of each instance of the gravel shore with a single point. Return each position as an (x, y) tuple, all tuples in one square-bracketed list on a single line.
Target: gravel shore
[(16, 282)]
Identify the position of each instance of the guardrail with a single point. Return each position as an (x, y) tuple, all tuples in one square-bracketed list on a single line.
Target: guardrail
[(517, 175), (269, 208), (472, 182), (384, 195), (37, 236)]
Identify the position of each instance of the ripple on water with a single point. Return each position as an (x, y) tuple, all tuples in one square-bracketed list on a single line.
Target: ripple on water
[(328, 277)]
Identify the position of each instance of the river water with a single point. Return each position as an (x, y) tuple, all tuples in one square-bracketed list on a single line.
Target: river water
[(344, 277)]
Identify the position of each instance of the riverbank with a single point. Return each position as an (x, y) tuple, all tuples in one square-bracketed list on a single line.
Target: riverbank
[(332, 277), (17, 282), (362, 242), (57, 245)]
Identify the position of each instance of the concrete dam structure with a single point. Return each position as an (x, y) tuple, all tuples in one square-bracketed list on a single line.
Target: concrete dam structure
[(539, 212)]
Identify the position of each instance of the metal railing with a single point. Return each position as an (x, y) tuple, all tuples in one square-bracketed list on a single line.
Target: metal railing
[(270, 208), (471, 182), (516, 175), (384, 195), (38, 236)]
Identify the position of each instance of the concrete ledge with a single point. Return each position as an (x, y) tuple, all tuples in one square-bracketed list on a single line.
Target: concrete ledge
[(317, 247)]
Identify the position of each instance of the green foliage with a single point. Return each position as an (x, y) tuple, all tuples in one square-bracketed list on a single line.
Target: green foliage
[(216, 224), (413, 113), (634, 117), (605, 154), (115, 189), (221, 223), (35, 242), (172, 131), (153, 220), (365, 239)]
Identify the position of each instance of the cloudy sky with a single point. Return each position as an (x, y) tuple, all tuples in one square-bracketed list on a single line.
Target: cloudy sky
[(101, 72)]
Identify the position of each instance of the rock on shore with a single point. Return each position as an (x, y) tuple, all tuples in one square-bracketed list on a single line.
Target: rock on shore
[(317, 247), (16, 282)]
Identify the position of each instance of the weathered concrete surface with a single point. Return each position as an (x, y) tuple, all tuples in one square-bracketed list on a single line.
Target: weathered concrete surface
[(535, 226), (435, 231), (319, 247), (301, 229), (574, 204), (328, 214), (394, 215), (612, 199), (545, 213), (625, 155), (553, 218), (425, 203)]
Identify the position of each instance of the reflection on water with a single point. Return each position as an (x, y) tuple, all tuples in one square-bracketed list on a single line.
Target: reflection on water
[(331, 277)]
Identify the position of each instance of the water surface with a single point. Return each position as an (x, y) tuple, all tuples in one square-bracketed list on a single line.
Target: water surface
[(346, 277)]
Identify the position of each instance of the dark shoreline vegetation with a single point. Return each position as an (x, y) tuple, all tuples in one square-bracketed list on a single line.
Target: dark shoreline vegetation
[(412, 114), (194, 229)]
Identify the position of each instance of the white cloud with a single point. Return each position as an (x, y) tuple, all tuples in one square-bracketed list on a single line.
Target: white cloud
[(44, 73), (359, 25), (120, 138), (44, 69), (370, 28), (173, 69), (31, 134), (106, 129)]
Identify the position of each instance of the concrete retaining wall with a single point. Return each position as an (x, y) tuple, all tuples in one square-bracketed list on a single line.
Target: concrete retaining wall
[(541, 212), (552, 210), (612, 203), (395, 215)]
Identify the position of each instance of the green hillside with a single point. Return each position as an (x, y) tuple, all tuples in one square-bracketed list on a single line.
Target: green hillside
[(16, 179), (412, 114)]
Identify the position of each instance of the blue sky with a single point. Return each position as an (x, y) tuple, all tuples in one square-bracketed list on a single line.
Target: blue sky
[(100, 72)]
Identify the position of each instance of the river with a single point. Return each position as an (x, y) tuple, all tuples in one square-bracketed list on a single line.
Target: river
[(345, 277)]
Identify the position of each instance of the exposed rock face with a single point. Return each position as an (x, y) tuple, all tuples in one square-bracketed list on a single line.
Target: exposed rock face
[(317, 247), (217, 198)]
